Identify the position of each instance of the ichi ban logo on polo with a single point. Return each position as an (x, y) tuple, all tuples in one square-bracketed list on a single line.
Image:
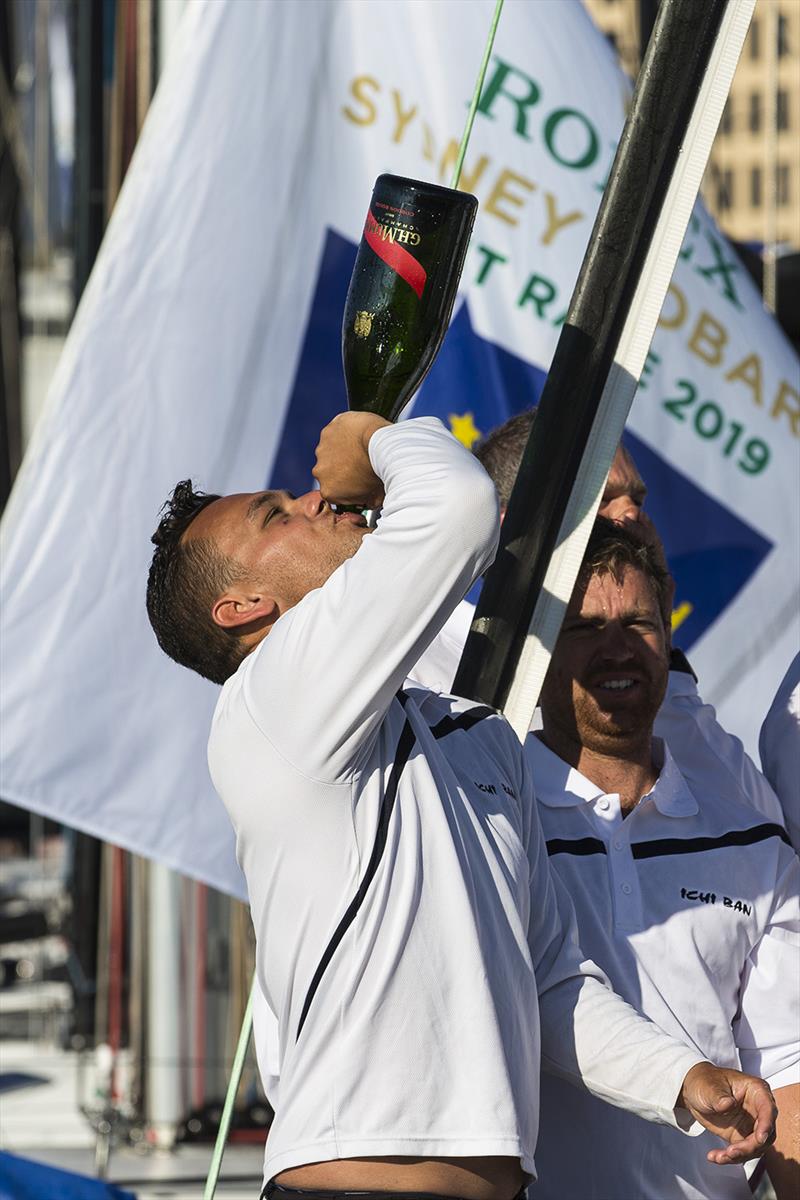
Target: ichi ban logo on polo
[(389, 242), (712, 898)]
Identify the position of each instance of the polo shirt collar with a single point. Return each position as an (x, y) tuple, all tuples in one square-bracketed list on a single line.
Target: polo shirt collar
[(558, 785), (672, 795)]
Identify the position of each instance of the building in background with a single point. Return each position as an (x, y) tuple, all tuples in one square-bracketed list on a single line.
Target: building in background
[(752, 185), (621, 22)]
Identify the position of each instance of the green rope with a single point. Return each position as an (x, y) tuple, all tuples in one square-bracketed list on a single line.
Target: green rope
[(230, 1096), (476, 95)]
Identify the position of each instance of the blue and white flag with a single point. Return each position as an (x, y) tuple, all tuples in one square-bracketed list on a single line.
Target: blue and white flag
[(208, 345)]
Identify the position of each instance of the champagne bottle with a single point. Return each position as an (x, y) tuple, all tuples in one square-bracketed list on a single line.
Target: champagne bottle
[(402, 290)]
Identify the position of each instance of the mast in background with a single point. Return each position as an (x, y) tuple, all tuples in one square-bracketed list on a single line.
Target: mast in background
[(769, 286)]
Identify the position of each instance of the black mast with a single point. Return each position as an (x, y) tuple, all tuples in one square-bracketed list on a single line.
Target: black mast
[(664, 101)]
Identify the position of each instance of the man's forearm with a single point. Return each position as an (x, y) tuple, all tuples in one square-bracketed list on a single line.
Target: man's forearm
[(629, 1065), (594, 1039)]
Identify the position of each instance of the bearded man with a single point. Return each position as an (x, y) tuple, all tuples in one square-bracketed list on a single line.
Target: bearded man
[(686, 897)]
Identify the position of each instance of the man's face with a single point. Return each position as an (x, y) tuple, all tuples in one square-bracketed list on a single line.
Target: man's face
[(285, 545), (625, 492), (608, 674)]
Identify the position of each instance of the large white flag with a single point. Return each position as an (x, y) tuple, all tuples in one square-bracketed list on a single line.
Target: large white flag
[(207, 345)]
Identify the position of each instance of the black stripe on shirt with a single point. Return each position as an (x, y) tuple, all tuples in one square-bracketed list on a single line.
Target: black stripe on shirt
[(464, 720), (735, 837), (405, 745), (580, 846)]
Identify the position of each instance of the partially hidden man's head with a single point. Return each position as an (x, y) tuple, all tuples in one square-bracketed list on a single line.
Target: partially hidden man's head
[(500, 454), (608, 674), (225, 568)]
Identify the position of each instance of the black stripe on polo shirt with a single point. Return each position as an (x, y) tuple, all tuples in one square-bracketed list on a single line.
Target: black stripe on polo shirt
[(579, 846), (464, 720), (405, 745), (735, 837)]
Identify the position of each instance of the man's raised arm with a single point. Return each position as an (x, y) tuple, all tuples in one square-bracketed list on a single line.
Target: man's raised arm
[(361, 632)]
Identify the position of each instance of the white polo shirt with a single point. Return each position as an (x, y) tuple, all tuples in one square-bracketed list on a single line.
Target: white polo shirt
[(690, 905), (710, 758), (405, 914)]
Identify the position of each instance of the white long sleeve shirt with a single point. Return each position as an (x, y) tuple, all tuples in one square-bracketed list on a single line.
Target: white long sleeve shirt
[(405, 915)]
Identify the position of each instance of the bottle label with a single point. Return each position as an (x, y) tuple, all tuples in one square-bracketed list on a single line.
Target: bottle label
[(362, 326), (389, 243)]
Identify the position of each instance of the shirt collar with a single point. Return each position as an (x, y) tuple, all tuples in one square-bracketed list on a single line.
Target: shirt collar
[(671, 794), (558, 785)]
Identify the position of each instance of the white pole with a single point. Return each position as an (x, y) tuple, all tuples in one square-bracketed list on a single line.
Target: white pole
[(168, 19), (164, 1106)]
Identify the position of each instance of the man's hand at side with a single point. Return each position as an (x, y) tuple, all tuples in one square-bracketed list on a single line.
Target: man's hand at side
[(738, 1108), (343, 469)]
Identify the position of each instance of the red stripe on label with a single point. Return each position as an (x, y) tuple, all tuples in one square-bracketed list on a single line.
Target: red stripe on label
[(403, 263)]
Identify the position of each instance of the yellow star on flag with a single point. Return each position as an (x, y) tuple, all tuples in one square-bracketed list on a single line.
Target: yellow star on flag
[(680, 614), (464, 428)]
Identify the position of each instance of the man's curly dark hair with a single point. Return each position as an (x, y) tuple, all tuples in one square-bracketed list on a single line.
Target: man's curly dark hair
[(184, 581)]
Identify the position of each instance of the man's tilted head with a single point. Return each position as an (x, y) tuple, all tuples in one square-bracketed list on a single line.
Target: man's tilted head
[(501, 451), (226, 567), (184, 580), (608, 674)]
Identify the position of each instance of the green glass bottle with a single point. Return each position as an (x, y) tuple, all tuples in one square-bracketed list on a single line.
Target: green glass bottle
[(402, 290)]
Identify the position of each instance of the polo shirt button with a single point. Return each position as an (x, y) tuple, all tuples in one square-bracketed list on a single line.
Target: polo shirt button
[(603, 804), (618, 845), (627, 889)]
